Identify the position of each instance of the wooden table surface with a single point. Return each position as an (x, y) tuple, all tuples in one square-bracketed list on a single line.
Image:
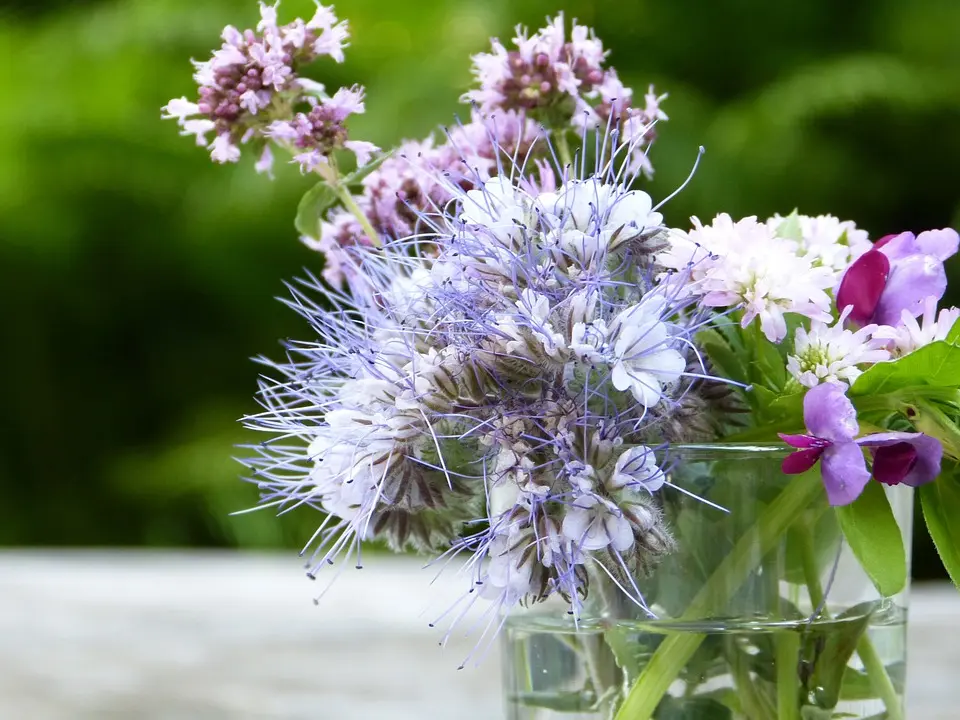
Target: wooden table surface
[(158, 635)]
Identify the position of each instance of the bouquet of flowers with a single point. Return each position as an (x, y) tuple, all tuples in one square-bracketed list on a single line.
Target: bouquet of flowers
[(511, 355)]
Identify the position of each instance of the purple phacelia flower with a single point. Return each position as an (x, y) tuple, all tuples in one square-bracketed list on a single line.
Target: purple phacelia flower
[(516, 378)]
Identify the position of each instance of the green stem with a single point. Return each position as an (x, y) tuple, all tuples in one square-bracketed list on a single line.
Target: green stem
[(331, 176), (754, 702), (674, 652), (563, 149), (788, 654), (876, 671), (879, 679), (350, 204), (808, 559)]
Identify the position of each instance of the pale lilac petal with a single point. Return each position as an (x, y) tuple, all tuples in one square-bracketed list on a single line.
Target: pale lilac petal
[(912, 280), (362, 149), (942, 244), (265, 163), (897, 247), (829, 414), (894, 464), (862, 286), (845, 472), (619, 531)]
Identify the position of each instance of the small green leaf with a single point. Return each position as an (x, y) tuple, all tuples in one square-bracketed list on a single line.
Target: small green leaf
[(561, 701), (314, 203), (936, 364), (695, 708), (723, 358), (953, 337), (360, 173), (871, 530), (810, 712), (790, 227), (940, 501), (839, 640), (857, 686)]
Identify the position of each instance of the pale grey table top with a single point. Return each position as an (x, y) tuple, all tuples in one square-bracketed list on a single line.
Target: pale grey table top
[(185, 635)]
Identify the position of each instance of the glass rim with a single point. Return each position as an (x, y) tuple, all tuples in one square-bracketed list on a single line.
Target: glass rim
[(718, 450)]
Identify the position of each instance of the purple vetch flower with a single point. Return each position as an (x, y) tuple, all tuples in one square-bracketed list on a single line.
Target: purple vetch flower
[(898, 273), (831, 419)]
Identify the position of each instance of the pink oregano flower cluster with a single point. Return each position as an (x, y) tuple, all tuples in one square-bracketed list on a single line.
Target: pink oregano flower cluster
[(248, 88), (563, 81)]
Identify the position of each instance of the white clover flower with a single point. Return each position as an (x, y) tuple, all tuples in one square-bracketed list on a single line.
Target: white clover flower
[(832, 353), (911, 335), (743, 264), (645, 359), (825, 239)]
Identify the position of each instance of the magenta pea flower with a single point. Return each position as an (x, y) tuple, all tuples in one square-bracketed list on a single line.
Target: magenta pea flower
[(898, 273), (898, 457)]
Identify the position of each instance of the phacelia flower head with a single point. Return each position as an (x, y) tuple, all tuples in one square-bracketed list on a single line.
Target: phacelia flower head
[(897, 274), (520, 375), (744, 264), (254, 79), (831, 420)]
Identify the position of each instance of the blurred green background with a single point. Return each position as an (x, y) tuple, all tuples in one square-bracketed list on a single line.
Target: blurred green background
[(137, 278)]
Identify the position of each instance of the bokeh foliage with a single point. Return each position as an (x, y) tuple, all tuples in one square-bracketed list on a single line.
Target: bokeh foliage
[(137, 277)]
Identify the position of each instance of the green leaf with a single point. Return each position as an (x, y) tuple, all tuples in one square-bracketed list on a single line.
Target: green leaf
[(936, 364), (874, 536), (790, 227), (940, 501), (809, 712), (695, 708), (360, 173), (723, 358), (561, 701), (839, 639), (857, 686), (315, 202), (768, 365), (953, 337)]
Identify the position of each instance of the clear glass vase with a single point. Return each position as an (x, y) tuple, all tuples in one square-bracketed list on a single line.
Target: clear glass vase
[(761, 612)]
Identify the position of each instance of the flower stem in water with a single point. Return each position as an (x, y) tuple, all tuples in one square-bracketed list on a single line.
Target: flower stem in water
[(676, 651)]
